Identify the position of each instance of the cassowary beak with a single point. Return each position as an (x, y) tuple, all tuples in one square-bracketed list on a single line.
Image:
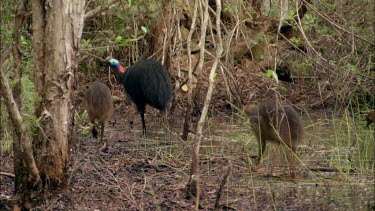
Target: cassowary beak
[(108, 59)]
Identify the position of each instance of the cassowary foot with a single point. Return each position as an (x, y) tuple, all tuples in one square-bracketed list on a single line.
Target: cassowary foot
[(103, 148), (95, 134), (258, 161)]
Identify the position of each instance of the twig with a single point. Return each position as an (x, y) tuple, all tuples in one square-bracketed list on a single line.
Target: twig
[(327, 169), (92, 55), (299, 25), (7, 174)]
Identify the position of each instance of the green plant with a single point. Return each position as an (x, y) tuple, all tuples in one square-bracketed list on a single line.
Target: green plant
[(273, 74), (121, 41), (309, 22), (296, 41)]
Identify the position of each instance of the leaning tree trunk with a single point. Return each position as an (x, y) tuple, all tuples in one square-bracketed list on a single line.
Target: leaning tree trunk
[(27, 174), (19, 169), (57, 30)]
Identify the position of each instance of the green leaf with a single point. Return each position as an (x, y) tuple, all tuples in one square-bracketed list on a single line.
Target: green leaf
[(144, 29), (273, 74), (269, 73), (254, 42), (296, 41), (118, 39), (121, 15)]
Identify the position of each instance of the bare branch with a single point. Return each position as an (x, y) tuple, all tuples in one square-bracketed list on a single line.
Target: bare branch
[(101, 8), (7, 174)]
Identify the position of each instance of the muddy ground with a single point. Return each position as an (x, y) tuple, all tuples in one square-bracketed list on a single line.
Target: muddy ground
[(150, 173)]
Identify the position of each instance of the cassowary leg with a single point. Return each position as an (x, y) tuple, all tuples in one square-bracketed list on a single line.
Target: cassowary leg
[(143, 121), (261, 148), (102, 133), (94, 131), (292, 160), (103, 145), (164, 116)]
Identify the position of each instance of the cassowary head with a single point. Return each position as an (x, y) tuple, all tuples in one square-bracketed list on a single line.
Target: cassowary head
[(114, 63)]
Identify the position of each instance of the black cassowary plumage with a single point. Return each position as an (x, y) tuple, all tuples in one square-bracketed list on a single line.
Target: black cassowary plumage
[(147, 83)]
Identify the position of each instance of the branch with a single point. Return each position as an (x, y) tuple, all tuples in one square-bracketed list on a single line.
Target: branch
[(302, 10), (7, 174), (299, 25), (101, 8)]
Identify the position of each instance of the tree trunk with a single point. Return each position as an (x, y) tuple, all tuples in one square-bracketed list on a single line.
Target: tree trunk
[(284, 9), (27, 174), (57, 30), (161, 33), (189, 105), (3, 58), (19, 22)]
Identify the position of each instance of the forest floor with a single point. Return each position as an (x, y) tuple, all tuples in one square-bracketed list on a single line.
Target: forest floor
[(150, 173)]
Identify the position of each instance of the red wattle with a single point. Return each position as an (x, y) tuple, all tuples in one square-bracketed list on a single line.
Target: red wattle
[(121, 69)]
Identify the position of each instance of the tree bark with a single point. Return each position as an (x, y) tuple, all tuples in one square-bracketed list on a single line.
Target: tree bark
[(257, 5), (162, 33), (16, 92), (57, 30), (284, 8)]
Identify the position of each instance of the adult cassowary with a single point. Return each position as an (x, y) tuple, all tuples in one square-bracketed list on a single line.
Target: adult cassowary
[(147, 83)]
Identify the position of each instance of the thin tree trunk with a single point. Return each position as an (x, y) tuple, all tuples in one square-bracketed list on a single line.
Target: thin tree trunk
[(1, 118), (17, 73), (27, 173), (3, 58), (189, 106), (1, 113), (195, 176), (284, 8), (177, 48), (19, 22)]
